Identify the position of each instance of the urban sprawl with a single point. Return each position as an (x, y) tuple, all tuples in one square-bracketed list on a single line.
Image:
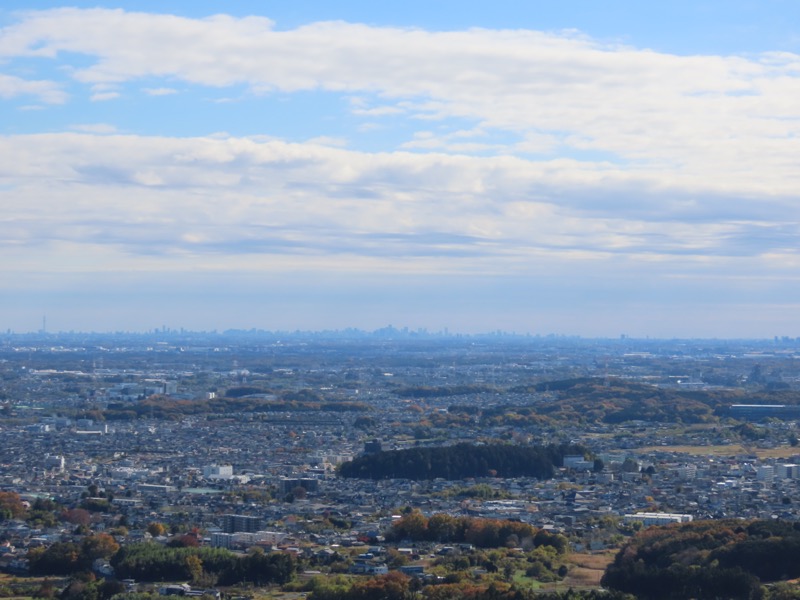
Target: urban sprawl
[(237, 441)]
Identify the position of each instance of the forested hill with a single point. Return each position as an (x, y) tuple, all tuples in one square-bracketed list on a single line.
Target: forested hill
[(461, 461), (616, 400), (706, 559), (590, 400), (598, 400)]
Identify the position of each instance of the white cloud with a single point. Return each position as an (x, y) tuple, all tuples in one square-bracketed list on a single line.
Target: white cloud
[(47, 91), (705, 116), (456, 142), (162, 91), (102, 92), (104, 96), (359, 106), (206, 200)]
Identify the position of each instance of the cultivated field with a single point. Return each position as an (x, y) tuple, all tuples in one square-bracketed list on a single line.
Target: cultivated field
[(725, 450)]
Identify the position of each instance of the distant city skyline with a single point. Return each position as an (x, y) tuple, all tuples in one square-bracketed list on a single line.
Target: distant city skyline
[(590, 169), (180, 335)]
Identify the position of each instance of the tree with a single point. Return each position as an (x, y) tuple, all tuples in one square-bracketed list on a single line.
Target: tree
[(100, 545), (412, 526), (154, 562), (77, 516), (156, 529), (47, 590), (442, 527), (392, 586), (784, 590), (184, 541), (194, 566), (11, 506), (62, 558)]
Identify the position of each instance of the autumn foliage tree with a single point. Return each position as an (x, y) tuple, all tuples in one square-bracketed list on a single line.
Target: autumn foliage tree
[(99, 545), (11, 506), (484, 533), (392, 586), (156, 529), (76, 516)]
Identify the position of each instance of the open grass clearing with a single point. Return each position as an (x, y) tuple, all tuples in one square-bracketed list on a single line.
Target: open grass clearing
[(523, 580)]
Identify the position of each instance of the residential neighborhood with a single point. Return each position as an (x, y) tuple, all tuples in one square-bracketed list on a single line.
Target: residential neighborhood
[(77, 441)]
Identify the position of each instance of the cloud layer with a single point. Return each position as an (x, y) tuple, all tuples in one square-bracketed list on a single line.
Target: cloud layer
[(513, 153), (694, 115)]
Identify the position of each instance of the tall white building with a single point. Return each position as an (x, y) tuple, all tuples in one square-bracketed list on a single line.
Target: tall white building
[(218, 472), (54, 461), (765, 473), (787, 471)]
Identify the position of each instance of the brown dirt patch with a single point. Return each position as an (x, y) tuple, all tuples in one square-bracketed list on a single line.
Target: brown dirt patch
[(587, 569)]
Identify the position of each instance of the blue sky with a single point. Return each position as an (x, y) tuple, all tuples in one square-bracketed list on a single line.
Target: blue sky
[(582, 168)]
